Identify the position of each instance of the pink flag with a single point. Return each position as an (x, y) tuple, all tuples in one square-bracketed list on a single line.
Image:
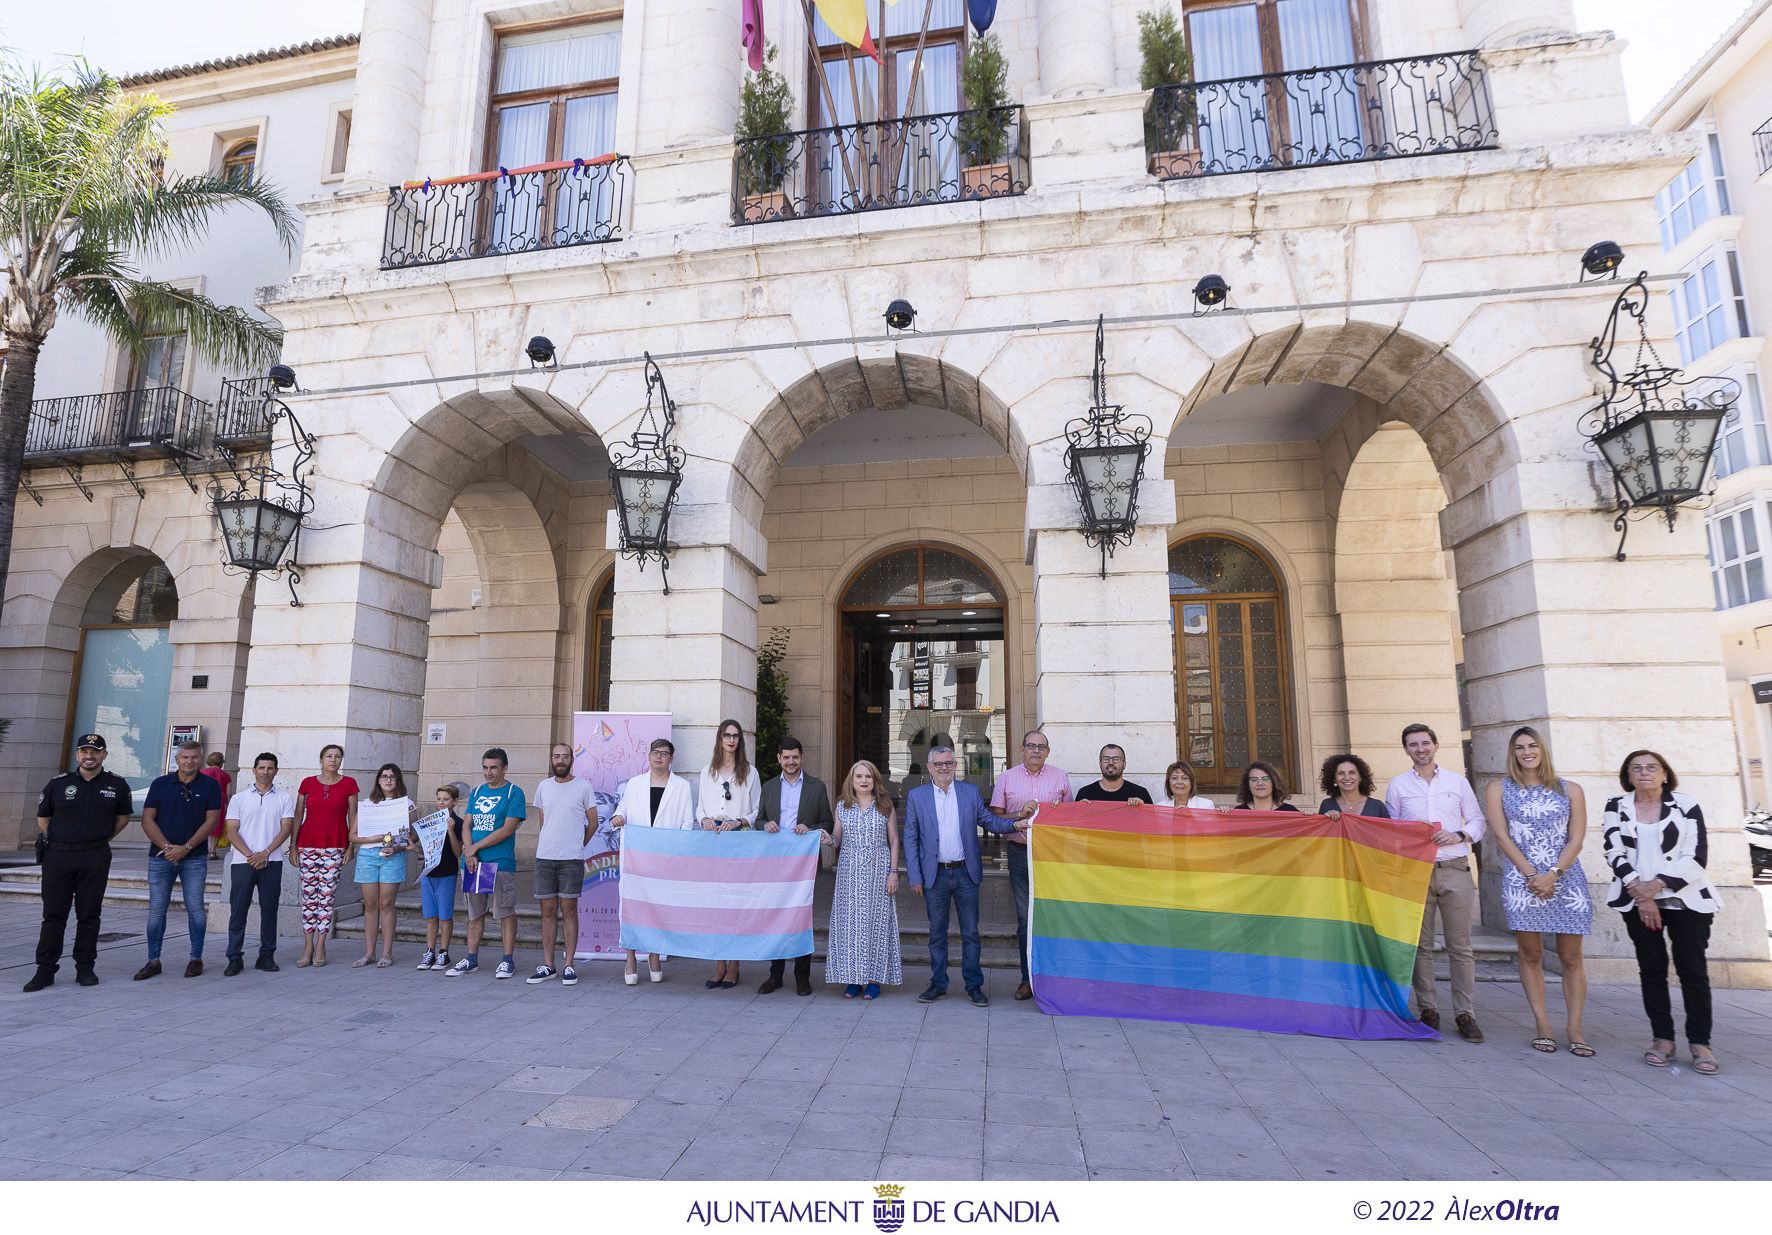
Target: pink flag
[(751, 33)]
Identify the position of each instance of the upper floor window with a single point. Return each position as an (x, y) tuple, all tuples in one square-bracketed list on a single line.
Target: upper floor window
[(338, 143), (240, 163), (1742, 442), (553, 95), (882, 91), (1246, 38), (1737, 567), (1709, 305), (1698, 193)]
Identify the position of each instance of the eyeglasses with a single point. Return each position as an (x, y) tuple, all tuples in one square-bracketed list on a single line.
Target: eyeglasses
[(729, 734), (944, 767), (1035, 746), (1259, 779), (1645, 767)]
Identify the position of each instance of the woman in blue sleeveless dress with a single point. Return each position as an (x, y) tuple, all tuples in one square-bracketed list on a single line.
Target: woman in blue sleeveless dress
[(1538, 821), (862, 952)]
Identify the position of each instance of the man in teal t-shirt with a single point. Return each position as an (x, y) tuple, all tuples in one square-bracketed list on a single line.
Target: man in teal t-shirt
[(494, 810)]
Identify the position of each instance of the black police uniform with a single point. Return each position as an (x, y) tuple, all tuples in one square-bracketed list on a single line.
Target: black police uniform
[(82, 818)]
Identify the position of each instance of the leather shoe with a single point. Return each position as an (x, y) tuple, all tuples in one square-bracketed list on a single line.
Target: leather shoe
[(770, 985), (235, 965), (39, 980), (85, 977), (978, 997), (1467, 1028), (149, 970), (1431, 1018), (194, 969), (1024, 991), (802, 986), (267, 964), (931, 995)]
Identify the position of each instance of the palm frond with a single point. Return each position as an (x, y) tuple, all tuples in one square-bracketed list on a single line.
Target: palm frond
[(175, 215), (225, 334)]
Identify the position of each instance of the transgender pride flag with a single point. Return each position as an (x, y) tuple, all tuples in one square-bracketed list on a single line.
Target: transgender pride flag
[(731, 896)]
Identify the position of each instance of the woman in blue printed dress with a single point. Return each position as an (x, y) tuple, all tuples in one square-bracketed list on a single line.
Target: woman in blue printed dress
[(863, 946), (1538, 821)]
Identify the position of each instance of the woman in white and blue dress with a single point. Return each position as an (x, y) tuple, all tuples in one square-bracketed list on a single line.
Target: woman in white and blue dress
[(862, 952), (1539, 821)]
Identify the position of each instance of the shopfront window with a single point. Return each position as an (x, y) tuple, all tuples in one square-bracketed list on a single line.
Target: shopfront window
[(124, 679)]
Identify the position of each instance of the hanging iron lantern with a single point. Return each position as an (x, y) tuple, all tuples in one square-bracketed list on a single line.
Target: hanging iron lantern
[(1105, 463)]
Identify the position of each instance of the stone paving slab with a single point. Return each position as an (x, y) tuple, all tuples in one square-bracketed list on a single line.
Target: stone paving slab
[(338, 1073)]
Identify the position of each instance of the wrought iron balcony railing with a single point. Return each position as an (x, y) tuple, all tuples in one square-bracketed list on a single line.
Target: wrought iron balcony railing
[(1763, 147), (240, 415), (548, 206), (881, 165), (1352, 113), (156, 421)]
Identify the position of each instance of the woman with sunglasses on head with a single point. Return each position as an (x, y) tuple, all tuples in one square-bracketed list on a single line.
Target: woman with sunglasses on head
[(1262, 789), (731, 791), (1657, 848), (381, 838), (325, 816)]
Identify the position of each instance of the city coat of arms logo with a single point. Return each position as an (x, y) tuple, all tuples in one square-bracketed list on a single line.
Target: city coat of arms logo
[(888, 1207)]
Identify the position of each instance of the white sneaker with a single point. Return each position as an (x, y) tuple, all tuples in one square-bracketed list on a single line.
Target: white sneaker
[(569, 976), (505, 970), (542, 974), (442, 961), (427, 960)]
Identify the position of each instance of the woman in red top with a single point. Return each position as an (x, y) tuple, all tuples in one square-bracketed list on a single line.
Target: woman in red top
[(325, 814)]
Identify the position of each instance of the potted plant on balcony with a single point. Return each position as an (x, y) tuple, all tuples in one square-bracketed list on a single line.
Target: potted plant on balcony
[(984, 126), (765, 153), (1171, 140)]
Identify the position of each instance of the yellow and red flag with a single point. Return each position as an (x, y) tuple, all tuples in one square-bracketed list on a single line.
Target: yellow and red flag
[(848, 20)]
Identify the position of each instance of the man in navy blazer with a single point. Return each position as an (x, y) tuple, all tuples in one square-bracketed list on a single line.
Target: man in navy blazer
[(941, 825)]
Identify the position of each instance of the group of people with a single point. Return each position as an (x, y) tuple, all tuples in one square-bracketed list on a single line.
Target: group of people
[(1654, 845)]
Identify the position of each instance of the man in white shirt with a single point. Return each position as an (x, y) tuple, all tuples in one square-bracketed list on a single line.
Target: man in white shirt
[(1443, 798), (568, 811), (260, 820)]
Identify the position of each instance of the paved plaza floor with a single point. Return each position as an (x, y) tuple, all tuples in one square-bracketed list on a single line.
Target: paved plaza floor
[(338, 1073)]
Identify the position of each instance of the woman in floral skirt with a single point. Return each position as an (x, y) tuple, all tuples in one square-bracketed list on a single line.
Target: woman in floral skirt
[(1538, 821), (863, 949)]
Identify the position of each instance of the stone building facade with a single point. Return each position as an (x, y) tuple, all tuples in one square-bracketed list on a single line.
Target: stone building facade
[(1367, 501)]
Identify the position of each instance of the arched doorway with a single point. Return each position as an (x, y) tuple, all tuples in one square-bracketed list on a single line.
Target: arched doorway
[(922, 657), (124, 672), (1233, 691), (599, 644)]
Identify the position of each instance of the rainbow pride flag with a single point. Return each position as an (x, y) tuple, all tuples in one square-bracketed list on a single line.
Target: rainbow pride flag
[(1274, 921), (736, 896)]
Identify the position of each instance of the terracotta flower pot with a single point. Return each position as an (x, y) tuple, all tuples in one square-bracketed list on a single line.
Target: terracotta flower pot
[(1168, 164), (761, 207), (985, 180)]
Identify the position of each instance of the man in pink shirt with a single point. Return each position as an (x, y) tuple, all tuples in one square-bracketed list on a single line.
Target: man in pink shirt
[(1019, 792), (1432, 794)]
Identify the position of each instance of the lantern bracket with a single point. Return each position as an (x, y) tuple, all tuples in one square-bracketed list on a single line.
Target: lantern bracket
[(261, 482)]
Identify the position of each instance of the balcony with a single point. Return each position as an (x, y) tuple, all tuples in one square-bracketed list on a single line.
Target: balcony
[(1763, 147), (490, 214), (882, 165), (156, 422), (241, 419), (1353, 113)]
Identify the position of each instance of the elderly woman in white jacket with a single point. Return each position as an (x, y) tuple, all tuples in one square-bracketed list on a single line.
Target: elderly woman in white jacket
[(658, 799)]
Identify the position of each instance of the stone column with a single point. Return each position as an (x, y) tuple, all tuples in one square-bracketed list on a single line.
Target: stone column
[(1076, 47), (1492, 23), (692, 653), (390, 94), (689, 75), (1104, 652)]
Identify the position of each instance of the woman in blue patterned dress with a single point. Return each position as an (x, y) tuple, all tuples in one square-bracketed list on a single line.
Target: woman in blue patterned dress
[(1538, 821), (863, 949)]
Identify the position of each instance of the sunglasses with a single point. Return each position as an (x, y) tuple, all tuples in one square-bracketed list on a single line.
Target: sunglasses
[(726, 788)]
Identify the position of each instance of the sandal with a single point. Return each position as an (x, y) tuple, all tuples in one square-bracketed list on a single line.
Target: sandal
[(1546, 1046), (1705, 1067), (303, 963), (1582, 1050), (361, 961), (1655, 1059), (384, 962)]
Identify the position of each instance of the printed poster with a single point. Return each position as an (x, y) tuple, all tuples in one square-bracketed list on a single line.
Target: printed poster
[(608, 748), (433, 834)]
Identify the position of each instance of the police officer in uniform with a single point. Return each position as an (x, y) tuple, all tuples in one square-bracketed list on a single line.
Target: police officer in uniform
[(77, 815)]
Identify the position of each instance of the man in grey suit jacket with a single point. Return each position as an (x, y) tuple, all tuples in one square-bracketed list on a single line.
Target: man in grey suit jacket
[(804, 801), (941, 857)]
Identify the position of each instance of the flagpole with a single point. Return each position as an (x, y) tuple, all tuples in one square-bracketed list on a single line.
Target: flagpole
[(910, 97), (830, 100), (855, 98)]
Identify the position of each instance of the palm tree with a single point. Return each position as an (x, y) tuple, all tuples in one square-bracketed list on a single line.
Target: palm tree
[(83, 198)]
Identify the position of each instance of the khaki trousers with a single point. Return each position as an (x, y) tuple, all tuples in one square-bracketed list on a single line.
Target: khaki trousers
[(1454, 894)]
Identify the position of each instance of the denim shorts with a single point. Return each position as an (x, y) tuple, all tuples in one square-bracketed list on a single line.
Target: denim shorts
[(373, 868), (558, 879), (438, 894)]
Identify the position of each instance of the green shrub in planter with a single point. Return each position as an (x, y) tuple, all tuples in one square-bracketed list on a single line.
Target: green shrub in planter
[(765, 113), (984, 83), (1169, 123)]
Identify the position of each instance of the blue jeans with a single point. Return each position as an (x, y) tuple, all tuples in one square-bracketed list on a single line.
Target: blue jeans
[(953, 885), (190, 874)]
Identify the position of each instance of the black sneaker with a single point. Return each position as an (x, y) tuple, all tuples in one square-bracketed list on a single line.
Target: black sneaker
[(267, 964), (39, 980), (978, 997), (86, 978), (235, 965), (931, 995), (542, 974)]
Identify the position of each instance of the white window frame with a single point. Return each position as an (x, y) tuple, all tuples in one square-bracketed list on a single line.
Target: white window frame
[(1707, 322), (225, 139), (1742, 441), (338, 123), (1738, 570), (1698, 194)]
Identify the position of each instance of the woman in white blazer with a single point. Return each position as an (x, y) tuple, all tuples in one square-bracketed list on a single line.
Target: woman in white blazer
[(728, 797), (658, 799)]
